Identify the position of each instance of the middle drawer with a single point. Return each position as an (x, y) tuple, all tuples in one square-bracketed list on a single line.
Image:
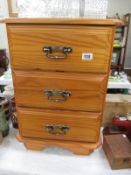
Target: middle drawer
[(55, 90)]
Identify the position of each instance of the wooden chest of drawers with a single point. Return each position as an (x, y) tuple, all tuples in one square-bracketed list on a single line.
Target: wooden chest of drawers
[(60, 71)]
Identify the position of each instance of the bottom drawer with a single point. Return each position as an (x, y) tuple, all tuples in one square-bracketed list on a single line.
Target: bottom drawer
[(59, 125)]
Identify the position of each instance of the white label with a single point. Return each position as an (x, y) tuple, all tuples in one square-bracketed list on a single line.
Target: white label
[(87, 56)]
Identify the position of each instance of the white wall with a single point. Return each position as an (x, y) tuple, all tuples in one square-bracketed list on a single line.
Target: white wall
[(3, 8), (122, 7), (3, 35)]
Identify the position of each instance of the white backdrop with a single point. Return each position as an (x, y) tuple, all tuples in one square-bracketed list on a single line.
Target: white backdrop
[(3, 35)]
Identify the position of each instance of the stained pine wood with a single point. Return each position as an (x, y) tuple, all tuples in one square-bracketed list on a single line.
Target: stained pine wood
[(87, 90), (26, 43), (78, 148), (87, 80), (2, 20), (71, 21), (82, 126)]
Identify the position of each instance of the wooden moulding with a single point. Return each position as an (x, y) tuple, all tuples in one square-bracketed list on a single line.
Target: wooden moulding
[(84, 21), (78, 148), (2, 20)]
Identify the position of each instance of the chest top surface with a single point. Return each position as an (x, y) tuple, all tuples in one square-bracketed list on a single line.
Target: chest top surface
[(73, 21)]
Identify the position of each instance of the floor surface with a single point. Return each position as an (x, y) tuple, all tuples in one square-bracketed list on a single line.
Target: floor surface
[(15, 159)]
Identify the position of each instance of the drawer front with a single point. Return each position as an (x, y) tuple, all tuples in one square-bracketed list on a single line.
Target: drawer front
[(54, 90), (91, 47), (57, 125)]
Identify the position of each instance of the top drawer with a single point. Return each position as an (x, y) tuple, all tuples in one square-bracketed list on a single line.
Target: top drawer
[(91, 47)]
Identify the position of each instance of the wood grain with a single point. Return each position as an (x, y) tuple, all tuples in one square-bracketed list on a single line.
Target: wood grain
[(87, 90), (78, 148), (33, 72), (118, 151), (71, 21), (82, 126), (26, 43)]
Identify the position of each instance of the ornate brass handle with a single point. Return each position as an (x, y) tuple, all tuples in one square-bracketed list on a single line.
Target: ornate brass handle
[(57, 130), (53, 95), (49, 50)]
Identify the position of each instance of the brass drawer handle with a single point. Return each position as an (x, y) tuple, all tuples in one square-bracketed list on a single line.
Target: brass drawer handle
[(49, 50), (57, 130), (53, 95)]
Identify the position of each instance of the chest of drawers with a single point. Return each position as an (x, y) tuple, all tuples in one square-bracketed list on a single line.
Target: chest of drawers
[(60, 70)]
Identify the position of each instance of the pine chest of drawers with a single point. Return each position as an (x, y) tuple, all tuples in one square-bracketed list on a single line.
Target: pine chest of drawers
[(60, 70)]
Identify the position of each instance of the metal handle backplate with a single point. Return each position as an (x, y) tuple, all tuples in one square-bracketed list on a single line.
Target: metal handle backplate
[(57, 130), (57, 95), (51, 51)]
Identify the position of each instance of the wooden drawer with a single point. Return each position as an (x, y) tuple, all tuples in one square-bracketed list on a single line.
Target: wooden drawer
[(27, 41), (59, 125), (55, 90)]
